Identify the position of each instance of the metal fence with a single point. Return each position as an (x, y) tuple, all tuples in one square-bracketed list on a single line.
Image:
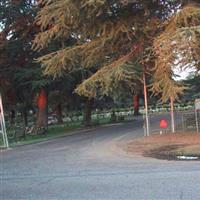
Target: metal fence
[(184, 121), (189, 122)]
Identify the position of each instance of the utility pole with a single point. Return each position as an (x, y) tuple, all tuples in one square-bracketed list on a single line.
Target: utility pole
[(146, 105), (197, 108), (172, 114)]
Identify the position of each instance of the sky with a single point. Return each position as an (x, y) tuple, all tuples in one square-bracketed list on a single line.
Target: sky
[(183, 74)]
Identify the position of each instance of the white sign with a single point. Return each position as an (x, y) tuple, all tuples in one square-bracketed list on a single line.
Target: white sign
[(197, 104)]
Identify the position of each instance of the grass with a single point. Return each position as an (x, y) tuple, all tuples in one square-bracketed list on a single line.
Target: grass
[(55, 131)]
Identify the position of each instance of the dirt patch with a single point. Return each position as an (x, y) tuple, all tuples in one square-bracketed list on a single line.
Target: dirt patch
[(167, 146)]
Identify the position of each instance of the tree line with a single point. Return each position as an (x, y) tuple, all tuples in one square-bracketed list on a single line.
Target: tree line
[(73, 53)]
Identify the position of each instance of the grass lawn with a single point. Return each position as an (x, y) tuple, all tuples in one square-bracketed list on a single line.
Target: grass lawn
[(55, 131)]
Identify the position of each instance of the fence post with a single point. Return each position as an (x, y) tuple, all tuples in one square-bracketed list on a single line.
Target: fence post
[(172, 114), (196, 119), (183, 122)]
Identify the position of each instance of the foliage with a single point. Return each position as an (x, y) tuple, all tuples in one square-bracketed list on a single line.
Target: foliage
[(192, 91), (178, 45), (107, 45), (17, 32), (109, 37), (20, 76)]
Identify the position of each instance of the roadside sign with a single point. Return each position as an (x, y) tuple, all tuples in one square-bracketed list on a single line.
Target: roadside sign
[(197, 104)]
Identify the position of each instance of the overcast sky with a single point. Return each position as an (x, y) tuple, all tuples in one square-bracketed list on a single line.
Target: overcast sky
[(183, 74)]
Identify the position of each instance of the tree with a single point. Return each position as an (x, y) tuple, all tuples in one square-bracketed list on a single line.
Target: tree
[(178, 45), (16, 34), (192, 92), (19, 70), (115, 36), (111, 37)]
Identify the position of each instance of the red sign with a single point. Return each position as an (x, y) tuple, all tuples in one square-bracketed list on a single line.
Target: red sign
[(163, 123)]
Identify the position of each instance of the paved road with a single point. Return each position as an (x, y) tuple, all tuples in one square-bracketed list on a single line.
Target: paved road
[(92, 165)]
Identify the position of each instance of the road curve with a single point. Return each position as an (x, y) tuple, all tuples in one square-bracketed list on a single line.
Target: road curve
[(92, 165)]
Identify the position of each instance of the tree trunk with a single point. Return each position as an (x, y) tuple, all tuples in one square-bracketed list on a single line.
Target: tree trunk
[(136, 104), (42, 109), (25, 116), (58, 112), (88, 112), (11, 103), (12, 116)]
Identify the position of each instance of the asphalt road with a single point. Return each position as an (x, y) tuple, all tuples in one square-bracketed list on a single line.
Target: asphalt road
[(92, 165)]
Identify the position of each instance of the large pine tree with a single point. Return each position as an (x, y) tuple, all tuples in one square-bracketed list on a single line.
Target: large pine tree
[(110, 37)]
